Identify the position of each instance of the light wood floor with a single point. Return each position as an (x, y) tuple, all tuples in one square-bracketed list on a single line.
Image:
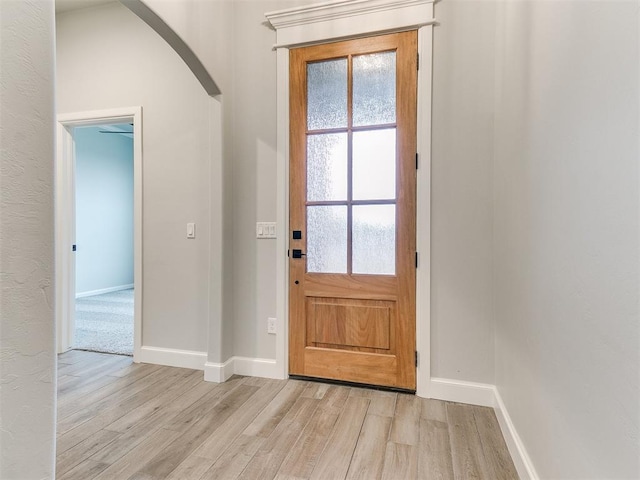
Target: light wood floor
[(120, 420)]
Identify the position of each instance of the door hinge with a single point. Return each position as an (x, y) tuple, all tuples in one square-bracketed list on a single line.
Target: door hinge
[(287, 253), (74, 248), (416, 259), (416, 352), (416, 160), (417, 61)]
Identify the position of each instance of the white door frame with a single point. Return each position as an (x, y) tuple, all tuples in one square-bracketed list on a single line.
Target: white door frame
[(65, 218), (342, 20)]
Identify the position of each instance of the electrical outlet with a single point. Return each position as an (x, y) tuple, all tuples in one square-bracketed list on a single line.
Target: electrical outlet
[(271, 325)]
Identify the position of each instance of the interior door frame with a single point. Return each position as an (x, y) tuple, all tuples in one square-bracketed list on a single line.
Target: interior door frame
[(335, 21), (65, 218)]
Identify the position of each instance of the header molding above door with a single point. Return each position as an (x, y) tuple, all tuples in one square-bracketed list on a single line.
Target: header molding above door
[(346, 19)]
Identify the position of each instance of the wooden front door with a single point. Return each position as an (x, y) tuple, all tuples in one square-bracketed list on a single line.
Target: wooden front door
[(352, 211)]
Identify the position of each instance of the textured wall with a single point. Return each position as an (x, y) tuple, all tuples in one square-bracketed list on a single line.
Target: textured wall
[(27, 349)]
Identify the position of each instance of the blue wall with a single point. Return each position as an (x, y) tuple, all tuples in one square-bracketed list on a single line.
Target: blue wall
[(104, 210)]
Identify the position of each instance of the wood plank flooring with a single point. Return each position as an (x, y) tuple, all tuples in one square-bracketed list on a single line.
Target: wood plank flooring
[(118, 421)]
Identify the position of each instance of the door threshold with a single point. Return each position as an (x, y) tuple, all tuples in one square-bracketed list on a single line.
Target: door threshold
[(353, 384), (103, 352)]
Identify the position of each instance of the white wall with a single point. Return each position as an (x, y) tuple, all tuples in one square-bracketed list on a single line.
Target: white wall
[(566, 234), (205, 28), (27, 369), (462, 327), (108, 58), (104, 209), (254, 178)]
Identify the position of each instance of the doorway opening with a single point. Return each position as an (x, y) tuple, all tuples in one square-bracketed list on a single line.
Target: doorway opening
[(99, 231), (104, 305)]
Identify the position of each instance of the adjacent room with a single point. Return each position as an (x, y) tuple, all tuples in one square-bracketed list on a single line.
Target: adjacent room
[(104, 305)]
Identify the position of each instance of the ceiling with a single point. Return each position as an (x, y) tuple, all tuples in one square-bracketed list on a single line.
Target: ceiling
[(68, 5)]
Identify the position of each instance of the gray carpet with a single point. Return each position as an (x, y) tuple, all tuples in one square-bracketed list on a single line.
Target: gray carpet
[(104, 323)]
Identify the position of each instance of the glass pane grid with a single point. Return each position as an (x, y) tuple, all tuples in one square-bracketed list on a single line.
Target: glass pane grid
[(351, 166)]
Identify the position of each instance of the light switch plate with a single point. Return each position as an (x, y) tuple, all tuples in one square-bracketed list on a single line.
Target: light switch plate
[(191, 230), (266, 230)]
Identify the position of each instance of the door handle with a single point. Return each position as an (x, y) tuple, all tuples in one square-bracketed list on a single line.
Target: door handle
[(296, 253)]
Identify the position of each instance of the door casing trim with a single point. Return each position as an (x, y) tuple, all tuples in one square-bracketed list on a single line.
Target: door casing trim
[(357, 22), (65, 216)]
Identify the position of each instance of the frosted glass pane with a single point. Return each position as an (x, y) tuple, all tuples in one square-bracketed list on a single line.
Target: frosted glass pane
[(327, 167), (327, 239), (327, 94), (374, 89), (374, 165), (374, 239)]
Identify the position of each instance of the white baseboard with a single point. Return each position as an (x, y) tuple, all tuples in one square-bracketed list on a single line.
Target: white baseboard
[(255, 367), (486, 395), (459, 391), (91, 293), (173, 358), (218, 372), (519, 454), (250, 367)]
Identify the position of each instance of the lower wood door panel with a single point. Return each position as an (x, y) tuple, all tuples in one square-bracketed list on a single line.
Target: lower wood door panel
[(360, 325)]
